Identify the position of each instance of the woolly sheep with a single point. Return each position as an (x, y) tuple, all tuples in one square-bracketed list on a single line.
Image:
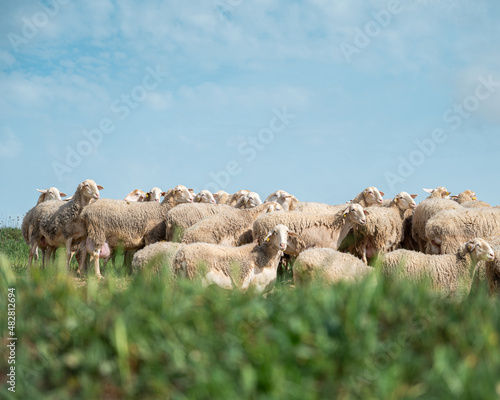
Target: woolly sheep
[(369, 197), (314, 230), (221, 197), (136, 195), (438, 193), (287, 201), (248, 266), (131, 225), (249, 200), (448, 230), (232, 227), (329, 266), (51, 193), (155, 256), (155, 194), (383, 230), (233, 199), (431, 206), (183, 216), (465, 196), (61, 225), (449, 274), (204, 196), (476, 204)]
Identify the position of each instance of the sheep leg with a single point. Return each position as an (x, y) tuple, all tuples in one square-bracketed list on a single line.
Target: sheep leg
[(69, 253), (364, 258)]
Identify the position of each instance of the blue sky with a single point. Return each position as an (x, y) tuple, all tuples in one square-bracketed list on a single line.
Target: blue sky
[(321, 98)]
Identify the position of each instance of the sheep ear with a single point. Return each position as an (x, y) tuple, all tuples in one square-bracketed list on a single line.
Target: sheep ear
[(366, 212), (191, 190), (62, 194), (163, 194), (413, 195), (428, 190), (148, 195), (266, 239), (381, 193), (99, 187), (471, 245), (42, 190), (292, 234)]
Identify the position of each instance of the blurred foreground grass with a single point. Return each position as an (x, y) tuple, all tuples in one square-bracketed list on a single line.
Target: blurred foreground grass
[(144, 338)]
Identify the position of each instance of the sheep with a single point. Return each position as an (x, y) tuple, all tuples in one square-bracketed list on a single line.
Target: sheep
[(314, 230), (155, 194), (368, 197), (287, 201), (328, 265), (32, 217), (476, 204), (183, 216), (60, 223), (204, 196), (232, 227), (449, 274), (233, 199), (448, 230), (431, 206), (465, 196), (221, 197), (492, 272), (248, 200), (136, 195), (131, 225), (249, 266), (51, 193), (155, 256), (383, 230)]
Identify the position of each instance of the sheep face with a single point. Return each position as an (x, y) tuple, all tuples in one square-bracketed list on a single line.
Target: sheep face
[(439, 192), (182, 194), (252, 199), (205, 196), (278, 236), (273, 206), (219, 194), (356, 214), (405, 201), (52, 193), (90, 189), (373, 196), (155, 194), (480, 250)]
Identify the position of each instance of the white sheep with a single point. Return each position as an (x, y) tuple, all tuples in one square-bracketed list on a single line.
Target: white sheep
[(51, 193), (248, 266), (155, 256), (328, 266), (287, 201), (249, 200), (155, 194), (449, 274), (113, 223), (221, 196), (314, 230), (205, 196), (136, 195)]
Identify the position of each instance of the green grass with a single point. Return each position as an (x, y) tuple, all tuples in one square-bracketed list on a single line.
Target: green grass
[(143, 337)]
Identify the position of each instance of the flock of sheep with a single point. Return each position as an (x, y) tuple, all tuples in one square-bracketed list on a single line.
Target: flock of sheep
[(238, 241)]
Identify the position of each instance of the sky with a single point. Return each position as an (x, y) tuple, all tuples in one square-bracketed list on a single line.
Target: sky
[(320, 98)]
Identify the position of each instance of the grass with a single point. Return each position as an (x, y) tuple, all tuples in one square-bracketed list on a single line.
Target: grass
[(143, 337)]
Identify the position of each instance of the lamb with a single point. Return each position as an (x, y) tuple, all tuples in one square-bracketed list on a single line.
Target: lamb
[(155, 256), (155, 194), (248, 200), (449, 274), (221, 197), (32, 217), (287, 201), (136, 195), (183, 216), (60, 223), (448, 230), (314, 230), (204, 196), (249, 266), (329, 266), (110, 223), (232, 227), (431, 206), (383, 230)]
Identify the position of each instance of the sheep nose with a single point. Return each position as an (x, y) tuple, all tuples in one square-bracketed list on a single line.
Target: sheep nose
[(96, 195), (282, 246)]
